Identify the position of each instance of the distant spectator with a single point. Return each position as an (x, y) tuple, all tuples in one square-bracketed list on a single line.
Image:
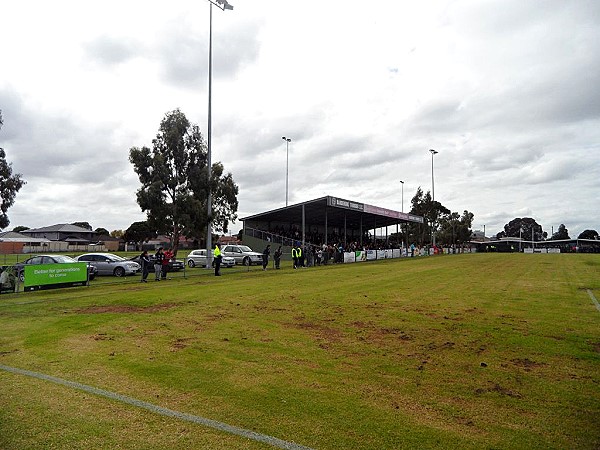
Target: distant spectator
[(265, 256), (168, 254), (277, 257), (159, 256), (146, 264)]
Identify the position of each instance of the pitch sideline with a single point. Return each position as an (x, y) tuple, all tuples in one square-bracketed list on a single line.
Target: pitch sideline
[(275, 442)]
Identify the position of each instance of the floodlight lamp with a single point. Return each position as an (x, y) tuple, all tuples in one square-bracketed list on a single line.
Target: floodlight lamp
[(225, 4), (433, 152)]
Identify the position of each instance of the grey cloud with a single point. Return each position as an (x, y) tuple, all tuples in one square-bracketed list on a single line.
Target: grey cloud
[(183, 54), (111, 50), (46, 148)]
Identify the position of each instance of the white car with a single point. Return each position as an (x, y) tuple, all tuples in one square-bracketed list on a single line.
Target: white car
[(242, 254), (109, 264), (198, 258)]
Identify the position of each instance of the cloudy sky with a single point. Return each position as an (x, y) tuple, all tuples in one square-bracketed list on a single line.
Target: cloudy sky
[(508, 92)]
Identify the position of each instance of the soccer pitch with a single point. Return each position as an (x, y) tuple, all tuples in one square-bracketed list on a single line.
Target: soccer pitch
[(455, 351)]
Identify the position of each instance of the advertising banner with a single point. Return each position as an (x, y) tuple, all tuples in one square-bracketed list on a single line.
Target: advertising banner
[(346, 204), (349, 257), (8, 279), (389, 253), (361, 256), (371, 255), (380, 254), (48, 276), (396, 253)]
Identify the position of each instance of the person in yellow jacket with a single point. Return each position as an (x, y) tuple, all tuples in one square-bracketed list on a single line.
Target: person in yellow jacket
[(218, 258), (295, 256)]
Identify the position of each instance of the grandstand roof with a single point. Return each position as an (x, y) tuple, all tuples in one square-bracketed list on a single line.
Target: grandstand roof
[(335, 211)]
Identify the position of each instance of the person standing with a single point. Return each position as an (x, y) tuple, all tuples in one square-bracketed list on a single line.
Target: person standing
[(168, 254), (295, 256), (158, 260), (218, 258), (145, 263), (277, 257), (300, 255), (265, 256)]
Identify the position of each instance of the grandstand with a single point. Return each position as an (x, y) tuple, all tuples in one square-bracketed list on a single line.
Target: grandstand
[(319, 221)]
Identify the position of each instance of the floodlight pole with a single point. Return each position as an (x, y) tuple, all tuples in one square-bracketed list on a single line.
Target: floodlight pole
[(287, 165), (402, 183), (222, 5), (433, 152)]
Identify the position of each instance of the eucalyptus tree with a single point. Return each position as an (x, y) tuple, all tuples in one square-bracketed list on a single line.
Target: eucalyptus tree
[(10, 184), (175, 184)]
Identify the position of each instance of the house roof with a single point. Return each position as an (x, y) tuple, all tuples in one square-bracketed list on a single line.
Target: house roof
[(11, 236), (61, 227)]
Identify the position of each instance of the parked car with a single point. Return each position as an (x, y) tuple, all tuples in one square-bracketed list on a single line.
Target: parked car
[(175, 265), (198, 258), (109, 264), (50, 259), (242, 254)]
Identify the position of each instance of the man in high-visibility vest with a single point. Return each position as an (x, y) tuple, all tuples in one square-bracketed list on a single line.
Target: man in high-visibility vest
[(218, 257), (294, 256)]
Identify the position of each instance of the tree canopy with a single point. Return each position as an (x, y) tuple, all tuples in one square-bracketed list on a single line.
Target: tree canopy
[(102, 231), (175, 184), (449, 227), (10, 184), (561, 233), (117, 234), (85, 225), (588, 234), (139, 232), (525, 228)]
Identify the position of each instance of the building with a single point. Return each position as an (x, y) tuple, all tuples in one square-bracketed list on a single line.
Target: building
[(325, 220), (71, 234), (12, 242)]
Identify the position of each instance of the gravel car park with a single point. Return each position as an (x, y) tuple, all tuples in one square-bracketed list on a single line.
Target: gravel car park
[(109, 264), (198, 258)]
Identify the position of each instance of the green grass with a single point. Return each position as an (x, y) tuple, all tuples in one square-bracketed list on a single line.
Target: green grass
[(462, 351)]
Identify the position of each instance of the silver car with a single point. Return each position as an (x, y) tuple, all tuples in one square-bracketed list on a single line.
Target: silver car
[(198, 258), (109, 264), (242, 254)]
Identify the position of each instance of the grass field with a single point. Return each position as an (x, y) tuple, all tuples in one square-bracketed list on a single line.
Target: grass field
[(462, 351)]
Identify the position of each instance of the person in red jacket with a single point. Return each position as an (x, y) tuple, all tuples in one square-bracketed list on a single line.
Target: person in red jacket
[(168, 255)]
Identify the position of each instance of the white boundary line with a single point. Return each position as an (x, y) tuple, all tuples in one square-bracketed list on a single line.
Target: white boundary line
[(275, 442), (593, 297)]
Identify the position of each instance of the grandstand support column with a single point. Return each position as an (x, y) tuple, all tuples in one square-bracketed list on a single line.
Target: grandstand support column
[(303, 225), (361, 231), (325, 225), (345, 231)]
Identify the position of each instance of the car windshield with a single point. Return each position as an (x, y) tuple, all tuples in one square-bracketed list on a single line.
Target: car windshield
[(245, 249), (63, 259)]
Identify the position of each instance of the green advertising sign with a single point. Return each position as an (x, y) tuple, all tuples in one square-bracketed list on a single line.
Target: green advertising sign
[(46, 276)]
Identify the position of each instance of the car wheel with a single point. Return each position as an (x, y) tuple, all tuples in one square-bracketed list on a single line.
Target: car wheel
[(22, 277), (191, 263), (246, 261), (119, 272)]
